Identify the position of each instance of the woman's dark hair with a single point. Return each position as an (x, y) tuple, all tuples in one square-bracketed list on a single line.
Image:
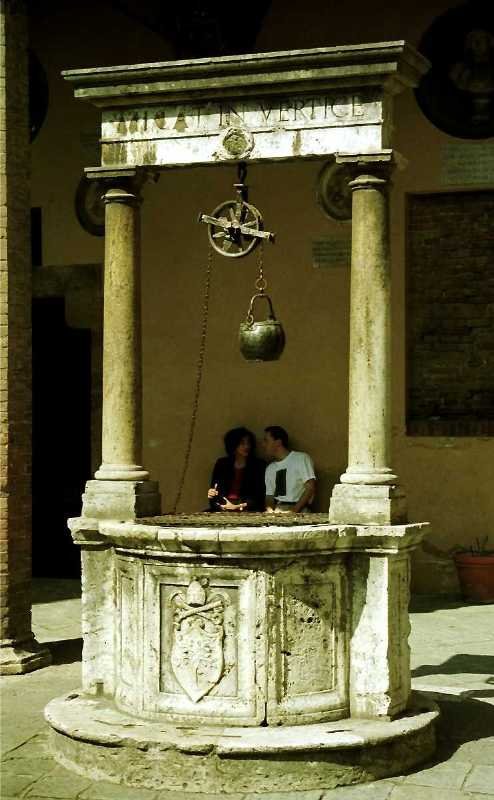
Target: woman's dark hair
[(233, 438), (277, 432)]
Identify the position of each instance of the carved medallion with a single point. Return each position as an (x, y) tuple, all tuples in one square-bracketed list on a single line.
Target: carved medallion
[(333, 191), (236, 143), (197, 655), (457, 93)]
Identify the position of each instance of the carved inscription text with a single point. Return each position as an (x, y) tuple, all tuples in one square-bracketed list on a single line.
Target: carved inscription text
[(196, 119)]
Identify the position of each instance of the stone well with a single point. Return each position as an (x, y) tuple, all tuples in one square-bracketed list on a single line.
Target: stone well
[(242, 652), (229, 655)]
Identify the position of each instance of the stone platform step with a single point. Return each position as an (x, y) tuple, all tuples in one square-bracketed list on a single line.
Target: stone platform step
[(91, 736)]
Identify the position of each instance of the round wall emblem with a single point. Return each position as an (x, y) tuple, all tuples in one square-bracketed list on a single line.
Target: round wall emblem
[(457, 94), (333, 192), (236, 143)]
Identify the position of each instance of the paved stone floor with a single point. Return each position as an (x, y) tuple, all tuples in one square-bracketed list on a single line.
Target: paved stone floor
[(452, 648)]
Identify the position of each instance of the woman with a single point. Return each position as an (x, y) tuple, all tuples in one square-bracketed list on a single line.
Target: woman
[(237, 483)]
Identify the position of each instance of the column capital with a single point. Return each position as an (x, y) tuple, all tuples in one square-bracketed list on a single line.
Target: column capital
[(120, 193), (367, 161), (125, 183), (376, 167)]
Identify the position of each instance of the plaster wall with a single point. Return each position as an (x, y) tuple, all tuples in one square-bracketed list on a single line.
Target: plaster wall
[(448, 480)]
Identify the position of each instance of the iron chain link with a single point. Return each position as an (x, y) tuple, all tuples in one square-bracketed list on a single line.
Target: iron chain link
[(199, 372), (261, 283)]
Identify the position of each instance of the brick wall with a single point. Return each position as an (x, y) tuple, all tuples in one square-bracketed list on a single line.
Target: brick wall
[(15, 321), (450, 314)]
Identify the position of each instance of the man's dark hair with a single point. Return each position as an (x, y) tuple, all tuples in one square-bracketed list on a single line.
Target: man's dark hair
[(233, 438), (277, 432)]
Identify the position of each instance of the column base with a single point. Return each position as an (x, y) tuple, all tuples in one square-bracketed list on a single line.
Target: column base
[(121, 472), (122, 500), (17, 658), (365, 504)]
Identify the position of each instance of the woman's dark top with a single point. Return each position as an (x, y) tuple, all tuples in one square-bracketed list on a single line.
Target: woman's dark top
[(249, 488)]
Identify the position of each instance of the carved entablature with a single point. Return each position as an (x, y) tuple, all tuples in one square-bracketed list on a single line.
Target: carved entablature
[(266, 106)]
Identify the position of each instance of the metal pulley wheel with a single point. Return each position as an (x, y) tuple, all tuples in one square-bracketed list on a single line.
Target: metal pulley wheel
[(235, 228)]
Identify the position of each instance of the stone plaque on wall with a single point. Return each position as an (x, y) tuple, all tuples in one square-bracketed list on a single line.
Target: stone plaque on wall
[(329, 251), (467, 164)]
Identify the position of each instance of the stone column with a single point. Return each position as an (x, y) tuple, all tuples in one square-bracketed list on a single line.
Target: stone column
[(368, 491), (19, 651), (122, 488)]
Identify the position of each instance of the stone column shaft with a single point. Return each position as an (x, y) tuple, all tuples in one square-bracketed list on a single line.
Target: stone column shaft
[(122, 378), (368, 493), (122, 489), (370, 336)]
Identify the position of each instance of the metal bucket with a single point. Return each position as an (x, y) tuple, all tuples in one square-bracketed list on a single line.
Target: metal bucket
[(261, 340)]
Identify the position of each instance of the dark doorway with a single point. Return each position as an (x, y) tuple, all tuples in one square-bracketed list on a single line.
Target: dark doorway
[(61, 435)]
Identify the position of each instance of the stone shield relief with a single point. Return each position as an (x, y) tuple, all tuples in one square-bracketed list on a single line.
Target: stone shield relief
[(203, 653), (197, 655)]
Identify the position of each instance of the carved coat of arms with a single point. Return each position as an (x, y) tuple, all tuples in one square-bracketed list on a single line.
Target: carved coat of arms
[(197, 656)]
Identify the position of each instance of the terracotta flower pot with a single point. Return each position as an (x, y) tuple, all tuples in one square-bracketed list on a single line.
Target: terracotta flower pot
[(476, 575)]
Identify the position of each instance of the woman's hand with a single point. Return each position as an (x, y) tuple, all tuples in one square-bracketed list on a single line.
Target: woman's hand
[(228, 506), (212, 493)]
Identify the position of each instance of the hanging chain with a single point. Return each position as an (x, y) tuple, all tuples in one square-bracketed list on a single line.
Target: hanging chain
[(261, 283), (199, 371)]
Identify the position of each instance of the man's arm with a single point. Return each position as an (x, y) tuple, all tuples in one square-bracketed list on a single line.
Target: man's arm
[(270, 503), (269, 482), (307, 496)]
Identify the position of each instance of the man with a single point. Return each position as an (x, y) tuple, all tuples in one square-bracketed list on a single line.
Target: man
[(290, 477)]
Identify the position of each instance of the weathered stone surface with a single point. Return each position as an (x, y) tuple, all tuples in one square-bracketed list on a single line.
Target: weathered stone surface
[(244, 643), (254, 537), (269, 631), (439, 793), (448, 775), (15, 784), (480, 779), (111, 791), (58, 787), (139, 753), (122, 368), (120, 499), (231, 634), (367, 492), (98, 613), (23, 656), (264, 106), (364, 504), (275, 630), (373, 791), (379, 651)]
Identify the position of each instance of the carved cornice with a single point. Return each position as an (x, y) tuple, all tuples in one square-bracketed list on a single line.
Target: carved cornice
[(391, 65)]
